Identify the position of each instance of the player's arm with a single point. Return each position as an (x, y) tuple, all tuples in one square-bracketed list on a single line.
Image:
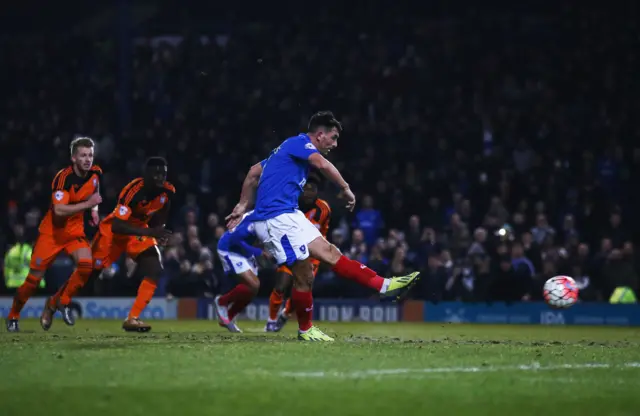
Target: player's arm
[(67, 210), (98, 171), (330, 172), (250, 185), (239, 236), (120, 226), (62, 207), (247, 195), (95, 208), (248, 248)]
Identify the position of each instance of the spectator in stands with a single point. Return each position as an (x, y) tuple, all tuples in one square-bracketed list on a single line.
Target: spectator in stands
[(358, 250), (542, 230), (369, 221)]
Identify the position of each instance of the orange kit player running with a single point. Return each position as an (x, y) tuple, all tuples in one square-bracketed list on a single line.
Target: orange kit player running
[(319, 213), (74, 190), (143, 202)]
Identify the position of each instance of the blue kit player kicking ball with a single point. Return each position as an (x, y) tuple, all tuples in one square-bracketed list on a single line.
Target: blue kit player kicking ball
[(276, 184), (238, 257)]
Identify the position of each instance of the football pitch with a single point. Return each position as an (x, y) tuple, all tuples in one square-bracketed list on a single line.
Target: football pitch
[(196, 368)]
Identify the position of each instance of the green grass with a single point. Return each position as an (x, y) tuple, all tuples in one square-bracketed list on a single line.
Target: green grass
[(195, 368)]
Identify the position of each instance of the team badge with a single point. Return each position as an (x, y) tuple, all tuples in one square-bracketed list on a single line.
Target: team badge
[(123, 210), (303, 249), (309, 146), (162, 199), (58, 195)]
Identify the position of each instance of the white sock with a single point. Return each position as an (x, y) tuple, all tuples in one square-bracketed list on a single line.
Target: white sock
[(385, 286)]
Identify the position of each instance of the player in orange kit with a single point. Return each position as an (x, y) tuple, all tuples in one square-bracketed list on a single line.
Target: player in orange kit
[(319, 213), (74, 190), (142, 202)]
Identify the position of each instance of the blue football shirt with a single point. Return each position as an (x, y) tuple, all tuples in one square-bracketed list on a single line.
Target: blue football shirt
[(284, 174)]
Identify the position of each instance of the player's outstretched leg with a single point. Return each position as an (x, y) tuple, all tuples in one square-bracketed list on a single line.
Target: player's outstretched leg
[(24, 292), (150, 265), (394, 288), (61, 301), (302, 300), (229, 305), (283, 281)]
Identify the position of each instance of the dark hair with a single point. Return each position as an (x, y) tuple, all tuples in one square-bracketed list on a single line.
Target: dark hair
[(80, 142), (156, 161), (324, 119), (315, 179)]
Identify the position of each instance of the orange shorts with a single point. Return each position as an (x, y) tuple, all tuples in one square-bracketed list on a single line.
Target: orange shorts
[(107, 249), (314, 263), (47, 248)]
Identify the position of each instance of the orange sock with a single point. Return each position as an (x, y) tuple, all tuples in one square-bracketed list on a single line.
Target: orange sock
[(25, 291), (76, 281), (275, 302), (53, 300), (287, 307), (145, 293)]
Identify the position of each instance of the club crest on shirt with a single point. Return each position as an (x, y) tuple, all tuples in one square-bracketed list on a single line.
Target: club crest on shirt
[(58, 196)]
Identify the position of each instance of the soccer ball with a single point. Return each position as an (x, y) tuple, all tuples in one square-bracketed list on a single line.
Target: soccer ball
[(560, 292)]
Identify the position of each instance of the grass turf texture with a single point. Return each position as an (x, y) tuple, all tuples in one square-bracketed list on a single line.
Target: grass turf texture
[(196, 368)]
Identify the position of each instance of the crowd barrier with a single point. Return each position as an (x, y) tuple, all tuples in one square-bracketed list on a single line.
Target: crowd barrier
[(339, 310), (99, 308)]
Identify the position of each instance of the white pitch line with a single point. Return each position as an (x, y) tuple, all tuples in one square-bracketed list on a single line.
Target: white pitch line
[(485, 369)]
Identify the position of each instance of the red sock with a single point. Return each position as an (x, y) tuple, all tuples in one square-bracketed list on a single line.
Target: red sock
[(303, 303), (243, 295), (358, 272), (235, 294), (25, 291)]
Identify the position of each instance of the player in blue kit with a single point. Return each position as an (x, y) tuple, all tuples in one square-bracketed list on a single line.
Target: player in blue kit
[(238, 257), (275, 184)]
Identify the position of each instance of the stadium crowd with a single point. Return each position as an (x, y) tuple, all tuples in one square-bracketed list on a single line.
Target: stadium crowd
[(489, 151)]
